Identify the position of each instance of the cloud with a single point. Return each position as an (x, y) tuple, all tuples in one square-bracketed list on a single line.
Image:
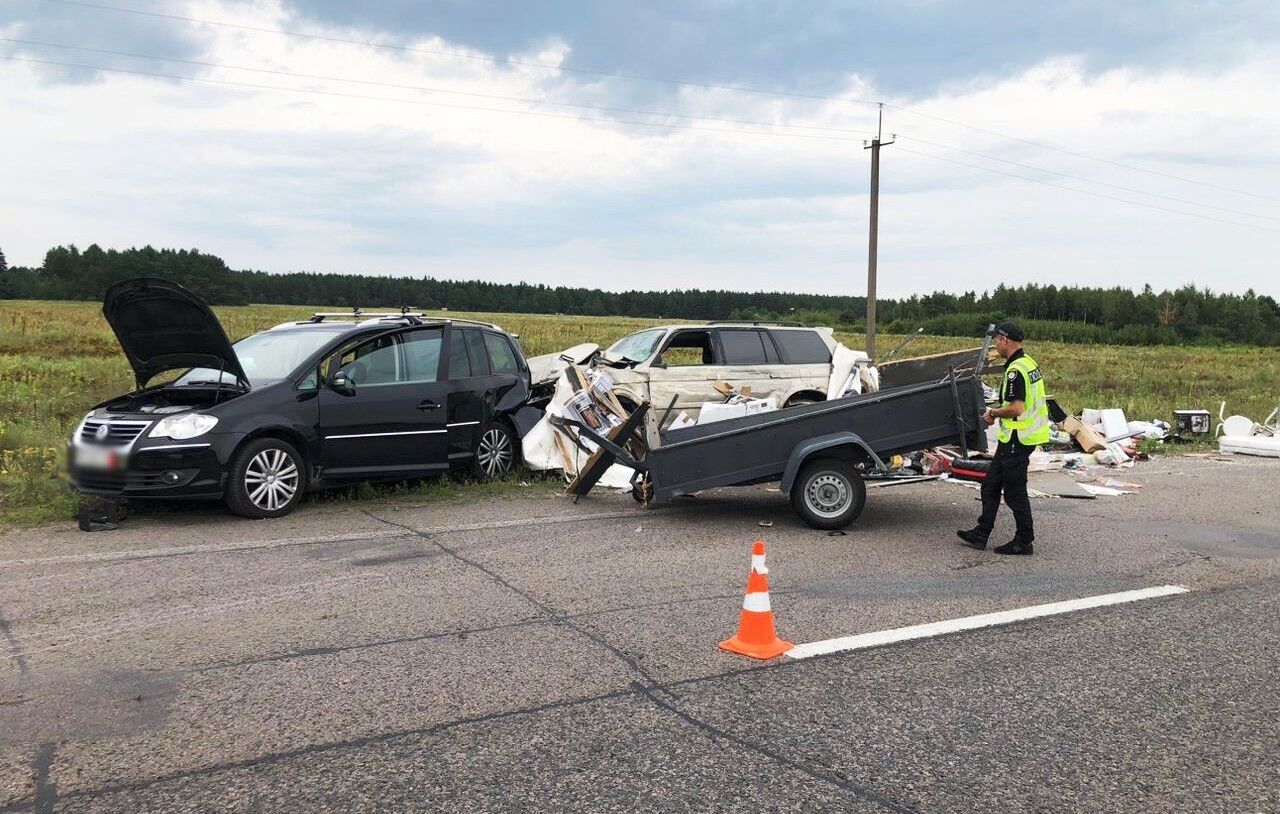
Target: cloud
[(465, 181)]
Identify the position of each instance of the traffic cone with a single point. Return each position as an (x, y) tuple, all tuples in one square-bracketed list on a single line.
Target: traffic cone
[(756, 636)]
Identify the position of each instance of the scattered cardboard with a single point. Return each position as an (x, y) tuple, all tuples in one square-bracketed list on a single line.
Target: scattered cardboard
[(1088, 438)]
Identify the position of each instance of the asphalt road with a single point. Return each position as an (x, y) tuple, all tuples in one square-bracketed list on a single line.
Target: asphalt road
[(528, 654)]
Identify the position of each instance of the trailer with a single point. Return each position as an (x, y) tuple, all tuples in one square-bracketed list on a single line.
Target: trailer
[(820, 453)]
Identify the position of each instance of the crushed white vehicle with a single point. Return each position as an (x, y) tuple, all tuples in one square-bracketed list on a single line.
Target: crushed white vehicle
[(678, 366), (682, 371)]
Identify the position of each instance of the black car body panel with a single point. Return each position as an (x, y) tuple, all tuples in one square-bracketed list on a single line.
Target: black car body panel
[(407, 409), (162, 326)]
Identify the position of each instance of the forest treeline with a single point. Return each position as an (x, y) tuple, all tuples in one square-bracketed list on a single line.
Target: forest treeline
[(1073, 314)]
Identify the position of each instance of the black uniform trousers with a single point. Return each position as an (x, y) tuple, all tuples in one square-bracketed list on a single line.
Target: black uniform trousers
[(1008, 475)]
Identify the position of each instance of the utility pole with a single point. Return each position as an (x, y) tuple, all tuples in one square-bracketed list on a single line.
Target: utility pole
[(873, 237)]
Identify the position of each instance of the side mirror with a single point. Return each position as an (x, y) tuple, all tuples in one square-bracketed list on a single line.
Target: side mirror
[(341, 383)]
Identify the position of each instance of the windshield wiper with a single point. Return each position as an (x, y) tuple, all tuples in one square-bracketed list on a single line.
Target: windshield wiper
[(211, 381)]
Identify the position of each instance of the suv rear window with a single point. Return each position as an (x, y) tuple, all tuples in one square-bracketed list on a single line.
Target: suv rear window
[(802, 347), (743, 347)]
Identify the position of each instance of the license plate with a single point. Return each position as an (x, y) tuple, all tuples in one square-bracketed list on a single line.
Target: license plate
[(98, 458)]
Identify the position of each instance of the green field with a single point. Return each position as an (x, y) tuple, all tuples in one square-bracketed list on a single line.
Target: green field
[(58, 359)]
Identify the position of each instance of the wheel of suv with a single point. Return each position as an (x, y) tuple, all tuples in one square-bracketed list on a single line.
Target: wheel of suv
[(828, 494), (496, 453), (800, 401), (267, 479)]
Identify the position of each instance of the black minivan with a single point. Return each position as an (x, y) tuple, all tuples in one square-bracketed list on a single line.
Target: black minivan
[(329, 400)]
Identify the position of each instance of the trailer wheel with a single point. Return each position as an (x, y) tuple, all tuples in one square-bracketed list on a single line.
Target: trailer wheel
[(828, 493)]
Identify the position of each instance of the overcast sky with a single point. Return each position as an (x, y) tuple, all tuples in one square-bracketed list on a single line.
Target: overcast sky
[(485, 152)]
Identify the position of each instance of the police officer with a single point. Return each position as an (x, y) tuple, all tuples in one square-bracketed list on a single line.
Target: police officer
[(1024, 423)]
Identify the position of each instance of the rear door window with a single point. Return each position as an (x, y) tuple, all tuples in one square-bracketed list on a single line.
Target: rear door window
[(802, 347), (422, 354), (476, 353), (743, 347), (501, 357), (459, 363)]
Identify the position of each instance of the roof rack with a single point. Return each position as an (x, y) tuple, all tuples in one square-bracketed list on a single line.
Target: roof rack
[(759, 322), (471, 322), (409, 314)]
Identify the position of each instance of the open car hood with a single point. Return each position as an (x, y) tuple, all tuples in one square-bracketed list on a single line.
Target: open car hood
[(163, 326)]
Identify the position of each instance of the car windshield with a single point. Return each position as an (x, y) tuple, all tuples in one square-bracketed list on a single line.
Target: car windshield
[(638, 346), (266, 357)]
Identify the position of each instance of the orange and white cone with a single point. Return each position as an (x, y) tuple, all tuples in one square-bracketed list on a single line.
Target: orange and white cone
[(756, 636)]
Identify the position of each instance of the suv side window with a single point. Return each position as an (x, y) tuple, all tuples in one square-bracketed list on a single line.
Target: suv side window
[(743, 347), (800, 347), (422, 354), (371, 363), (686, 348), (476, 354), (459, 362), (501, 357)]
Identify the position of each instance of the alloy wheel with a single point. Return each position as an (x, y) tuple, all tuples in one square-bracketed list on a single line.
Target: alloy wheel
[(496, 453), (271, 479)]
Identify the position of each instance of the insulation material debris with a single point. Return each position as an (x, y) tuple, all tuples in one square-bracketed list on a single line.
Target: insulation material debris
[(1104, 491), (1058, 484), (735, 408), (681, 421), (851, 373), (547, 448), (1111, 423)]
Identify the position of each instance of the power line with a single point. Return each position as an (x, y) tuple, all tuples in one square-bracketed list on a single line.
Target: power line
[(430, 89), (1077, 154), (546, 114), (524, 63), (625, 110), (1086, 180), (422, 102), (1087, 192), (642, 78)]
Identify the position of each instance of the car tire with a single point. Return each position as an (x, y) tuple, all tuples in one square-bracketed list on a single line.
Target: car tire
[(828, 493), (800, 401), (267, 479), (497, 452)]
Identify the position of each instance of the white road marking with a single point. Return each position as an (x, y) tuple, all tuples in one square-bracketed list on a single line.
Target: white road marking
[(903, 634)]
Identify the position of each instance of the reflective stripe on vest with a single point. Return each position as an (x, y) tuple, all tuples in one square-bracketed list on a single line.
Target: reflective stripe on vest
[(1033, 426)]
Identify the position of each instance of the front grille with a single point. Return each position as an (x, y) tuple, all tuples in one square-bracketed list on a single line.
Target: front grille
[(99, 481), (119, 433)]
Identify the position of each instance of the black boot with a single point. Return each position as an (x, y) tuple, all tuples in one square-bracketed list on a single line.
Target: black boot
[(1015, 546), (974, 538)]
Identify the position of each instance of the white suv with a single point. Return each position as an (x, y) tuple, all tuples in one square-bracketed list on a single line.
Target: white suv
[(790, 363)]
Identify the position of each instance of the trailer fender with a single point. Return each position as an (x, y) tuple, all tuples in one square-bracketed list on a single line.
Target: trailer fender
[(804, 451)]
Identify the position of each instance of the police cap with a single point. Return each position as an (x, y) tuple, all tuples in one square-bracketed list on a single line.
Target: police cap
[(1010, 330)]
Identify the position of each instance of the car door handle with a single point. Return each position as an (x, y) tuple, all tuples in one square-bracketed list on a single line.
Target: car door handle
[(429, 405)]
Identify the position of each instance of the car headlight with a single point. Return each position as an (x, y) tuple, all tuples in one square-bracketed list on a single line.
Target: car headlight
[(182, 427)]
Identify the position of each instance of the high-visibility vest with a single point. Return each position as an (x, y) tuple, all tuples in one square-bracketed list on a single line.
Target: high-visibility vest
[(1033, 425)]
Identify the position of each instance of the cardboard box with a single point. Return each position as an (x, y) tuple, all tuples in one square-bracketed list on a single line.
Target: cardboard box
[(1088, 438)]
